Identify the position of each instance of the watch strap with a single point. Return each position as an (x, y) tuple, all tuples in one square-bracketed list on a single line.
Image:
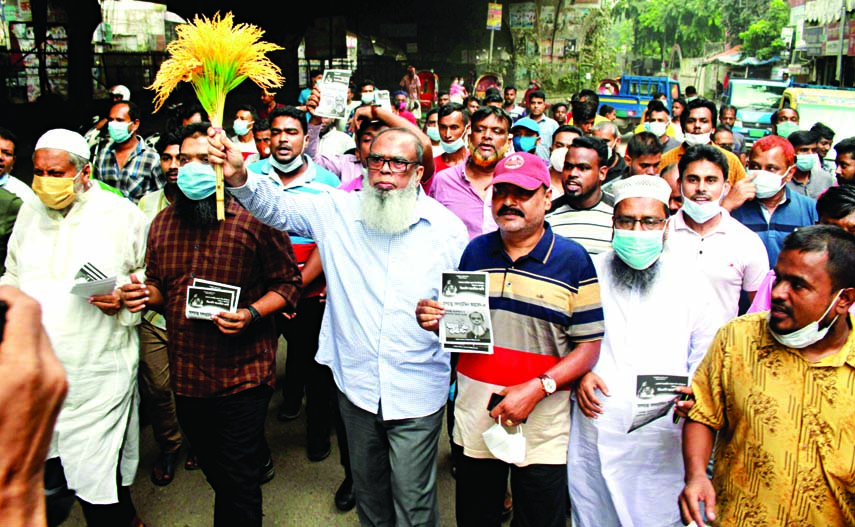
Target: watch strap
[(256, 316)]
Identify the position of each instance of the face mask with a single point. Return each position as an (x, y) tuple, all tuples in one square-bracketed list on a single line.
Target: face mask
[(524, 144), (288, 167), (55, 192), (119, 131), (450, 148), (433, 133), (556, 159), (656, 128), (609, 151), (367, 98), (510, 448), (808, 335), (767, 183), (402, 105), (697, 139), (241, 127), (786, 128), (701, 212), (638, 249), (805, 162), (197, 180)]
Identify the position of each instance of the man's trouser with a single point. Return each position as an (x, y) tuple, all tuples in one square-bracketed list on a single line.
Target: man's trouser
[(394, 466), (539, 491), (155, 390), (227, 434)]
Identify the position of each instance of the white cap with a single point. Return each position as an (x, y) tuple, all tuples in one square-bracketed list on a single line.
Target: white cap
[(118, 89), (62, 139), (642, 187)]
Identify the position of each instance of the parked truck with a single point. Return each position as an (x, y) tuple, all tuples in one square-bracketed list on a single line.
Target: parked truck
[(755, 101), (635, 92)]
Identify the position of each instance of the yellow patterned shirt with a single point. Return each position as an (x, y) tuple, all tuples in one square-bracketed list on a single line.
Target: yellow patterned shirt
[(786, 442)]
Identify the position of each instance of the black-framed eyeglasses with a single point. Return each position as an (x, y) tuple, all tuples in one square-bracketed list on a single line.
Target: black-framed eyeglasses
[(396, 165), (648, 224)]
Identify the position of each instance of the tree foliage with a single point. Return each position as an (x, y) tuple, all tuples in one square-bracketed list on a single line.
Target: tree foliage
[(659, 24), (762, 39)]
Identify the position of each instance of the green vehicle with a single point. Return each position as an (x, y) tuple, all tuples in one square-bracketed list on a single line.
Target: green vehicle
[(755, 101)]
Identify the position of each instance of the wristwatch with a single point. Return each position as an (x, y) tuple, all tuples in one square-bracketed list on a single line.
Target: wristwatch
[(548, 384), (256, 316)]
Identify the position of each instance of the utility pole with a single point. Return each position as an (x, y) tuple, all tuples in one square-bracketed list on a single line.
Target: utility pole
[(840, 51)]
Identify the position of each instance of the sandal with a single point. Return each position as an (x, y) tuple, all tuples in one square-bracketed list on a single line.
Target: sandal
[(164, 470), (192, 462)]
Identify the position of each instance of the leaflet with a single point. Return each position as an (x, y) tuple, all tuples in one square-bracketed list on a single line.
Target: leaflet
[(655, 395), (466, 326), (221, 287), (91, 281), (333, 87), (206, 298)]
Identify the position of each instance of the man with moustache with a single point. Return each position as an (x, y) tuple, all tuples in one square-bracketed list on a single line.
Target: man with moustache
[(382, 249), (547, 326), (453, 127), (583, 213), (155, 389), (222, 370), (778, 390), (656, 312), (8, 147), (465, 189)]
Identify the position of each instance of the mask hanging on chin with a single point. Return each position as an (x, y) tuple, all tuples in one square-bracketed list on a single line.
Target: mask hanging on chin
[(810, 334), (454, 146), (288, 167), (701, 212)]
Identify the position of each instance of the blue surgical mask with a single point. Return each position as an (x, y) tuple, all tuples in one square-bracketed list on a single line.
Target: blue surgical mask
[(241, 127), (786, 128), (524, 144), (638, 249), (805, 162), (119, 131), (197, 180), (433, 133), (454, 146)]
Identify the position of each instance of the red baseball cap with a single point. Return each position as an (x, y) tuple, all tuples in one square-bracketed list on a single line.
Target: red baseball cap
[(523, 170)]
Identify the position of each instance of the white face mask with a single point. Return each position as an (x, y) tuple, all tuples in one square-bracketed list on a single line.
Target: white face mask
[(810, 334), (697, 139), (556, 159), (289, 167), (656, 128), (510, 448), (701, 212), (767, 183)]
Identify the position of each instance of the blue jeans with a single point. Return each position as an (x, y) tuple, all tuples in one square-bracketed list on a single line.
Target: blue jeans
[(394, 466)]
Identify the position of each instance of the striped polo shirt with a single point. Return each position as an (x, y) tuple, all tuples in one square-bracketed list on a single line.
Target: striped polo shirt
[(590, 228), (541, 306)]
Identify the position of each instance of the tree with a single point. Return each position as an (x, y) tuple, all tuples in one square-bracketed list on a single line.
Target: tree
[(762, 39)]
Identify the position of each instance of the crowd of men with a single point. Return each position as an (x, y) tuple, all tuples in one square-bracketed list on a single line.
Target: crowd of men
[(617, 265)]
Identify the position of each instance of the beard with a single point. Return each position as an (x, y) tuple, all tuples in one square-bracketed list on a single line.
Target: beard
[(389, 211), (491, 160), (202, 213), (627, 279)]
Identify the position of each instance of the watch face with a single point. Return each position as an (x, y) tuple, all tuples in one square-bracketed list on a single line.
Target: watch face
[(548, 384)]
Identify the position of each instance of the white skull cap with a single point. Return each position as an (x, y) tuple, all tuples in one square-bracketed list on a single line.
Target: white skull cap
[(642, 187), (62, 139)]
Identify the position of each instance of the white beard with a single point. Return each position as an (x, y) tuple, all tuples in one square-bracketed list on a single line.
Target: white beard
[(389, 211)]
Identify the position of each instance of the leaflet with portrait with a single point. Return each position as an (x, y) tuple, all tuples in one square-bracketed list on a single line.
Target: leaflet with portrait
[(333, 88), (655, 395), (466, 326), (90, 281), (206, 299)]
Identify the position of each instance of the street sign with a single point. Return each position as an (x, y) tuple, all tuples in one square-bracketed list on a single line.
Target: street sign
[(494, 17)]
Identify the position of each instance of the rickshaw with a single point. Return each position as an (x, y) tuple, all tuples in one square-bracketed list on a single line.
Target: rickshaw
[(427, 94), (485, 81)]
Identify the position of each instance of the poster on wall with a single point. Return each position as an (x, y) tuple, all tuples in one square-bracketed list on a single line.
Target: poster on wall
[(522, 16)]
